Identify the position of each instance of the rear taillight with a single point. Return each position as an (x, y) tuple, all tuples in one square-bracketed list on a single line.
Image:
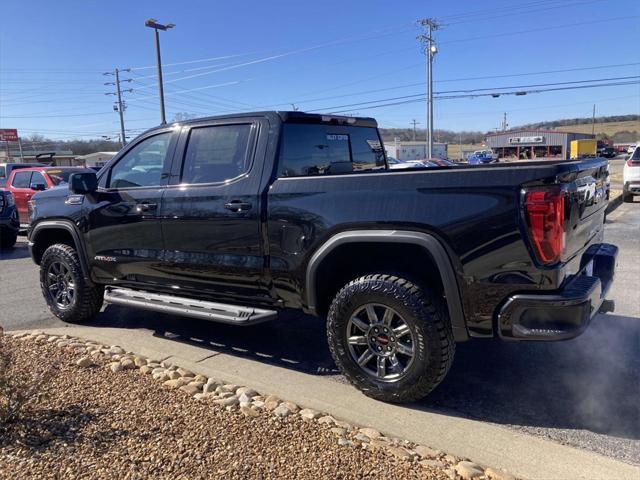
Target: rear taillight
[(633, 163), (544, 212)]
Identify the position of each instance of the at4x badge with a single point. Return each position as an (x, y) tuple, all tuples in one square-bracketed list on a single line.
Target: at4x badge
[(104, 258)]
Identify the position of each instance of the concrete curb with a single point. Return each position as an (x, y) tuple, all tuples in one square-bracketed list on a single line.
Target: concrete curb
[(523, 455), (613, 204)]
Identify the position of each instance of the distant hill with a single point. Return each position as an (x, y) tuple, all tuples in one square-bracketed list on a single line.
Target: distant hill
[(619, 128)]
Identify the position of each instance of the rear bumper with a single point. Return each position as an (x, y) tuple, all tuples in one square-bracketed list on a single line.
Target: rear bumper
[(565, 313), (632, 186)]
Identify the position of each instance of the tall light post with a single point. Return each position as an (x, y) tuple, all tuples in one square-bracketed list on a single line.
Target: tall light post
[(152, 23), (430, 51)]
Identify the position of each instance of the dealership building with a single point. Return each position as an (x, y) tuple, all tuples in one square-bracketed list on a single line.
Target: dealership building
[(533, 144)]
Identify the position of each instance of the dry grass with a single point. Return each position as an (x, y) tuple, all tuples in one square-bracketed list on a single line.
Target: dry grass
[(610, 128)]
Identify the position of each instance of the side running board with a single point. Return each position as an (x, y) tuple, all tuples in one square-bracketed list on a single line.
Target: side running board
[(215, 312)]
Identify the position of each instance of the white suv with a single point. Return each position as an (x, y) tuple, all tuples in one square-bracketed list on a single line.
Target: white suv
[(631, 176)]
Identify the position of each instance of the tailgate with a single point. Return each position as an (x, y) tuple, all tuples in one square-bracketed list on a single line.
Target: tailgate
[(587, 201)]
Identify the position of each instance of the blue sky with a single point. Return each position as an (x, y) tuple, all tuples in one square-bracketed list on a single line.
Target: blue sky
[(256, 55)]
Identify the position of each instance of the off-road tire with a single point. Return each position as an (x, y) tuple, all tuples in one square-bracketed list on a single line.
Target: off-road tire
[(8, 238), (425, 314), (88, 297)]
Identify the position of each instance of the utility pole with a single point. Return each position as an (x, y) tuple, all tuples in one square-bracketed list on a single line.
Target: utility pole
[(504, 122), (21, 152), (152, 23), (414, 123), (430, 50), (120, 106), (593, 120)]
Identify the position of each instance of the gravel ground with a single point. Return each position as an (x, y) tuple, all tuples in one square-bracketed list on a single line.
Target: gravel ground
[(101, 424)]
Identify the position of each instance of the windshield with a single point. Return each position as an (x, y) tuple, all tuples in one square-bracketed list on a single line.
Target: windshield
[(59, 176)]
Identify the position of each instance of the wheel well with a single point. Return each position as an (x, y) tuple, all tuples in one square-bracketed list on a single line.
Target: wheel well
[(48, 237), (353, 260)]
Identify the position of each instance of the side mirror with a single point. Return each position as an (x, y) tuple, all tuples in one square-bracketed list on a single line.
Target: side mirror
[(83, 183), (38, 186)]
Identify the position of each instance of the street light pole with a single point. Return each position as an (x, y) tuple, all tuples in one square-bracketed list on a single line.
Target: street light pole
[(430, 50), (152, 23)]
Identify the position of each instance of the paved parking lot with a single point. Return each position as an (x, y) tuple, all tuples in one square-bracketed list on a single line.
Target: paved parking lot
[(583, 392)]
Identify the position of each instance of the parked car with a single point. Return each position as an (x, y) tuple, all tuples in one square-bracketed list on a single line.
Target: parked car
[(6, 168), (23, 183), (481, 157), (243, 216), (9, 224), (606, 151), (631, 176)]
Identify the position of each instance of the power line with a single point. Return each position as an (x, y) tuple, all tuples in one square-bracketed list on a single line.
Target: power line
[(470, 91)]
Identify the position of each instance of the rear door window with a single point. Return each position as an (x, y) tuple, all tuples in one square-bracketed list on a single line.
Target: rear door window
[(216, 154), (327, 149)]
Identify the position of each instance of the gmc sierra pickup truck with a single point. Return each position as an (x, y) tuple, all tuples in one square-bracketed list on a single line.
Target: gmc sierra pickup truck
[(236, 218)]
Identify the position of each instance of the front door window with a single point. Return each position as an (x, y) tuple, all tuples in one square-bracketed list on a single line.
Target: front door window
[(142, 166)]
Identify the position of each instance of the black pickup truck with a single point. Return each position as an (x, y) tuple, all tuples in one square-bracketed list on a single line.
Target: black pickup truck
[(236, 218)]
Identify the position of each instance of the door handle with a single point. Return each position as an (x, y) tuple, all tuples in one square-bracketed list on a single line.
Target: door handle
[(237, 206), (146, 207)]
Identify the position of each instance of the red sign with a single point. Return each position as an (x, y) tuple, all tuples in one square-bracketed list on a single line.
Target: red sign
[(8, 135)]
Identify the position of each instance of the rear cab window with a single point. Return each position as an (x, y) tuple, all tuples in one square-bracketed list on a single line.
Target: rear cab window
[(319, 149)]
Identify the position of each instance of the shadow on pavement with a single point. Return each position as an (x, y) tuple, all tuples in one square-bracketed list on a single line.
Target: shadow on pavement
[(20, 250), (589, 383)]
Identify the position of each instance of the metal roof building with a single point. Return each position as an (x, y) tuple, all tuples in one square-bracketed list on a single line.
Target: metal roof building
[(533, 144)]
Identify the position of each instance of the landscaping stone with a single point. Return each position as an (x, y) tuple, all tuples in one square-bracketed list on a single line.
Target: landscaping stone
[(115, 367), (309, 414), (85, 362), (248, 411), (139, 361), (227, 402), (426, 452), (190, 388), (249, 392), (282, 410), (469, 470), (128, 364)]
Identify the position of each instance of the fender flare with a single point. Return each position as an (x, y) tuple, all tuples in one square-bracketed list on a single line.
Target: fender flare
[(430, 243), (67, 225)]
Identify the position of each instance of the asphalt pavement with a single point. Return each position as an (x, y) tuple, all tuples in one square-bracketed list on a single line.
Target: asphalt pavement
[(583, 392)]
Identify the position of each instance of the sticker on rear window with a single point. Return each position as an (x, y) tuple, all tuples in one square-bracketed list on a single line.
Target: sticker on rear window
[(337, 137)]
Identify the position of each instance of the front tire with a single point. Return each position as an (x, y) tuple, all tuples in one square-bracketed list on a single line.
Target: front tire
[(390, 337), (69, 296)]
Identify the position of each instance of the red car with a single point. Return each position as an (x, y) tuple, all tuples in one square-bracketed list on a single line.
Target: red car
[(26, 182)]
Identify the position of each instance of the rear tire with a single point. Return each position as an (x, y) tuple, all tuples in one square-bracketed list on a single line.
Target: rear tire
[(627, 197), (69, 296), (416, 322)]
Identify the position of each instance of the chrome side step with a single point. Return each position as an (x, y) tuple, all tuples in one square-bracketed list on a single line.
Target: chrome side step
[(212, 311)]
